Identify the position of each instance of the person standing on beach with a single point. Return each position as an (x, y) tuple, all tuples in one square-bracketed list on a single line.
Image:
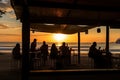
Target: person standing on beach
[(16, 55), (16, 52)]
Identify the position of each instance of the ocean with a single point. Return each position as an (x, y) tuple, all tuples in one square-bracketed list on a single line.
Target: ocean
[(6, 47)]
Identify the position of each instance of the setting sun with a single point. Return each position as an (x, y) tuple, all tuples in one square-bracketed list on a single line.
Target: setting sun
[(59, 37)]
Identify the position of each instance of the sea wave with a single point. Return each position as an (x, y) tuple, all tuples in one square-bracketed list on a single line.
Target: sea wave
[(84, 47)]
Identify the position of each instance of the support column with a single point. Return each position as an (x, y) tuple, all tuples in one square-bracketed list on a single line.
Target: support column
[(25, 42), (107, 40), (78, 47)]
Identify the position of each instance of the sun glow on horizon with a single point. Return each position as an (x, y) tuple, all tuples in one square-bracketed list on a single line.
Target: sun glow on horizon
[(59, 37)]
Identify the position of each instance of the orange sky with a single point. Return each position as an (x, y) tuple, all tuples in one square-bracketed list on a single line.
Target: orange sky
[(90, 37), (14, 35)]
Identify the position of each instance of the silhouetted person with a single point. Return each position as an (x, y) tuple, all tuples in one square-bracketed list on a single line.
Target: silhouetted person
[(33, 45), (32, 54), (44, 52), (96, 55), (16, 52), (68, 55), (64, 51), (53, 53), (16, 55)]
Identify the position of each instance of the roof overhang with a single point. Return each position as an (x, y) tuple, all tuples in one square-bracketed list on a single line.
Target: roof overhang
[(60, 28), (70, 13)]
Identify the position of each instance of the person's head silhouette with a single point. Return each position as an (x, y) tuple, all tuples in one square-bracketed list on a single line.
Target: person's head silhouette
[(17, 45), (94, 44), (63, 44), (35, 40)]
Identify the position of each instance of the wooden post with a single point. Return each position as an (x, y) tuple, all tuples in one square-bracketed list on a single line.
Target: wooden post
[(78, 47), (25, 42), (107, 40)]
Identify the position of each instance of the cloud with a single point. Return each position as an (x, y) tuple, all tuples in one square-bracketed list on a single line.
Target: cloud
[(40, 35), (5, 5), (21, 35), (4, 1), (3, 26), (11, 14), (10, 35)]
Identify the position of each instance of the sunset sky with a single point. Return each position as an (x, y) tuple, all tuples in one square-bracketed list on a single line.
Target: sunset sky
[(10, 30)]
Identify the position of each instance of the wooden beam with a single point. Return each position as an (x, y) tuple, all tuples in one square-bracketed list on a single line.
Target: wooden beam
[(115, 27), (74, 21), (70, 5)]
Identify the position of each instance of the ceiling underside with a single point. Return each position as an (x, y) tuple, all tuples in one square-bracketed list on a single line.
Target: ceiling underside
[(68, 14)]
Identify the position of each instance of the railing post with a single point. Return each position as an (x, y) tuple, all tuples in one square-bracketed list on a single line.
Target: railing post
[(78, 47), (107, 40)]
